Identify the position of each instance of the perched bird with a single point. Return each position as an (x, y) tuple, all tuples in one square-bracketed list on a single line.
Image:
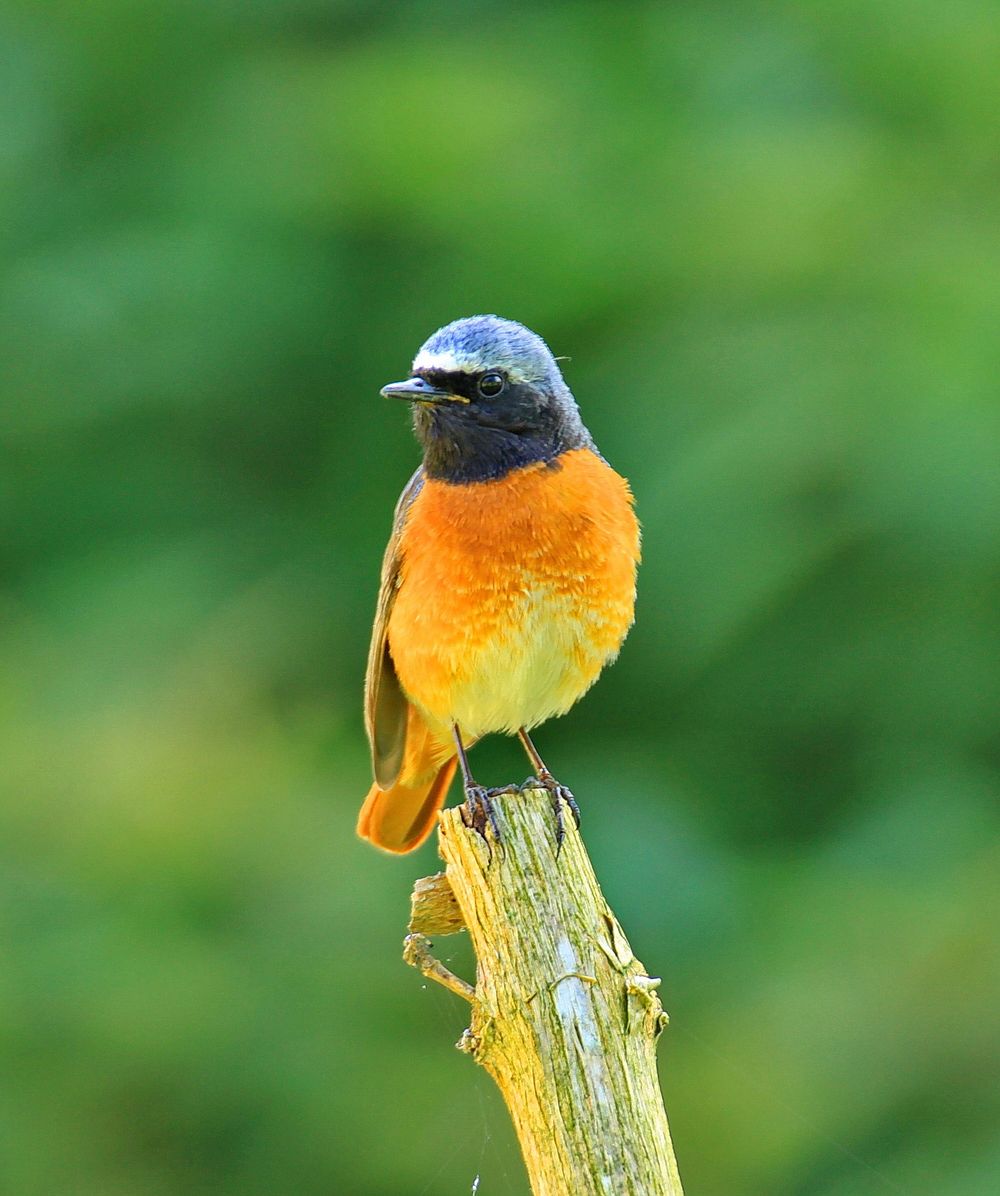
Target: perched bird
[(508, 582)]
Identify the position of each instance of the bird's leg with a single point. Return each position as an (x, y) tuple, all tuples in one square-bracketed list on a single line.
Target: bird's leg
[(545, 780), (479, 808)]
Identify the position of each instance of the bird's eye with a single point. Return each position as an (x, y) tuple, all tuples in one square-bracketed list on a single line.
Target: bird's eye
[(491, 384)]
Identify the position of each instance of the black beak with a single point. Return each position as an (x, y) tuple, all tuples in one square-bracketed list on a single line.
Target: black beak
[(416, 390)]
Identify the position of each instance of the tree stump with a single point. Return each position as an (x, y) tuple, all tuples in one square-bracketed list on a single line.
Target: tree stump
[(564, 1017)]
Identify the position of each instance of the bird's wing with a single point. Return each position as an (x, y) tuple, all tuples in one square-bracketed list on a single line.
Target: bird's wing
[(386, 707)]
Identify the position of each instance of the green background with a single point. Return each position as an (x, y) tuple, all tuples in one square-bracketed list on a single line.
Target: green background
[(768, 237)]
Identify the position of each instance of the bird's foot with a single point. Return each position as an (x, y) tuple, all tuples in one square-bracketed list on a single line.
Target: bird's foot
[(557, 795), (479, 810), (504, 789)]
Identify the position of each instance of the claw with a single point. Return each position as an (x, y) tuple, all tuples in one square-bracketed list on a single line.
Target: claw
[(479, 811), (503, 789), (556, 799), (557, 794)]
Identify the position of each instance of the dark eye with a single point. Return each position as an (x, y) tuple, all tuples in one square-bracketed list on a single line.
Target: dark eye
[(491, 385)]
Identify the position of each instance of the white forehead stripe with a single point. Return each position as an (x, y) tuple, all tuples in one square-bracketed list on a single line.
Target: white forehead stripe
[(443, 359), (449, 362)]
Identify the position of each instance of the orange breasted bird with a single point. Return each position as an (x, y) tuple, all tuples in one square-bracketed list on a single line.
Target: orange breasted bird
[(508, 582)]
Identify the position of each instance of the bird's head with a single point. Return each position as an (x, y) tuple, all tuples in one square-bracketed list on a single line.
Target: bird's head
[(488, 397)]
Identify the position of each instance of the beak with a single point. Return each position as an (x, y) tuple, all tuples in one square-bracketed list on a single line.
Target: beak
[(416, 390)]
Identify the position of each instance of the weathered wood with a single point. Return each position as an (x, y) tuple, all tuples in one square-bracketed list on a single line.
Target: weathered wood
[(564, 1017), (433, 908)]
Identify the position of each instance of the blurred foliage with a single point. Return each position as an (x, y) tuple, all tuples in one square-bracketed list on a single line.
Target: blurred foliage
[(768, 237)]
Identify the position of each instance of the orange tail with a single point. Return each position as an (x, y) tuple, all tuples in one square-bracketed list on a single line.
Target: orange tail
[(400, 819)]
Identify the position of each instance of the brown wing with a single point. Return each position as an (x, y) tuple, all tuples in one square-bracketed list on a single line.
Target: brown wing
[(386, 707)]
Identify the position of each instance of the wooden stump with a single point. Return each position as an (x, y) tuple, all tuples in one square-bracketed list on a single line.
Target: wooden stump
[(564, 1017)]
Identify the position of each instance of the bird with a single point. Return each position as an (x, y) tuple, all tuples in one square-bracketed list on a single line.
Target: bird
[(508, 582)]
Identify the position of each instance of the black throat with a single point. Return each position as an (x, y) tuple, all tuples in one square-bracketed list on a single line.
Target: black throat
[(481, 441)]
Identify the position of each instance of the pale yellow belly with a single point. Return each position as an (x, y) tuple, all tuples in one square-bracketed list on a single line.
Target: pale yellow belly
[(549, 655)]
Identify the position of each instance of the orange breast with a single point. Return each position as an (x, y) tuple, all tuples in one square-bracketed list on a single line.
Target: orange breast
[(514, 593)]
